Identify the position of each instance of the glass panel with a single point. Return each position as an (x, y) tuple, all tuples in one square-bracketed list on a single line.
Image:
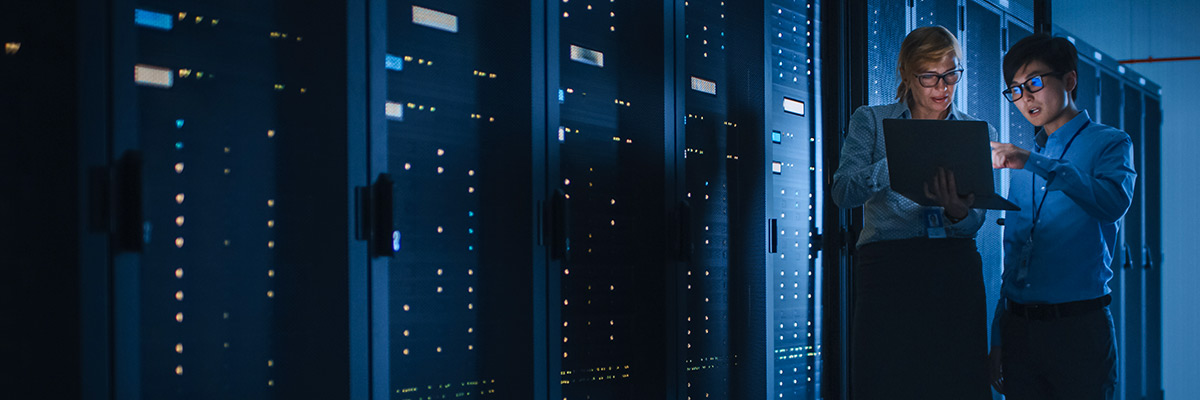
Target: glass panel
[(1087, 88), (983, 84), (709, 171), (211, 94), (458, 148), (1135, 285), (1020, 131), (1110, 100), (885, 32), (610, 164), (794, 202), (937, 12)]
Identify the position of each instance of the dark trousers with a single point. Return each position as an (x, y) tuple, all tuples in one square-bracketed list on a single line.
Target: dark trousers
[(1065, 358), (919, 328)]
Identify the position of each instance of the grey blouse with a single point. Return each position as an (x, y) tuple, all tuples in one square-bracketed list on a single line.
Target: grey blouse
[(862, 180)]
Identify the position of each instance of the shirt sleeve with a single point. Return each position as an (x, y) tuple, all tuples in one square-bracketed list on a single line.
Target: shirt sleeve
[(860, 175), (1106, 193), (969, 224)]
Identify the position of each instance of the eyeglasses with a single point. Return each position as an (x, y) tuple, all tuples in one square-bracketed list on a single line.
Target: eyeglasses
[(931, 80), (1033, 85)]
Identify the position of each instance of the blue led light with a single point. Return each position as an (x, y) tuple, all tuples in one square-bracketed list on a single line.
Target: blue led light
[(393, 63), (178, 145), (179, 124), (152, 19), (471, 231), (562, 96), (776, 137), (395, 241), (470, 248), (470, 213)]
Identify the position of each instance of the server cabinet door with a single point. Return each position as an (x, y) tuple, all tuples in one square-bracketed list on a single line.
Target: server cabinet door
[(231, 200), (1088, 87), (794, 201), (710, 175), (1134, 364), (943, 13), (885, 31), (49, 245), (1019, 131), (981, 93), (1151, 177), (611, 294), (1109, 100), (454, 307)]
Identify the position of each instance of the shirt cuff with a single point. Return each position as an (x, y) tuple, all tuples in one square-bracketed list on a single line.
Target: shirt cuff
[(1039, 164)]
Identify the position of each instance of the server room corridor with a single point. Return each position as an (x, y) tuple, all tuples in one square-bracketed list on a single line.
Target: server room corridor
[(544, 199)]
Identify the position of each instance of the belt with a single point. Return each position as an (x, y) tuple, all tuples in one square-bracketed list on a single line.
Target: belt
[(1060, 310)]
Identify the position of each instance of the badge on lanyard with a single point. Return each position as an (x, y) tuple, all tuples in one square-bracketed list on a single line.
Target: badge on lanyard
[(1025, 256), (935, 227)]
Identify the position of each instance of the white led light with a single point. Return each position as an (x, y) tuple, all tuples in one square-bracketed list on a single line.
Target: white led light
[(793, 106), (704, 86), (147, 75), (435, 19), (587, 56)]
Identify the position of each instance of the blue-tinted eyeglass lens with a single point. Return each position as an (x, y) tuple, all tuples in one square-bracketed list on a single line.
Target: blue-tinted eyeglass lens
[(1036, 81)]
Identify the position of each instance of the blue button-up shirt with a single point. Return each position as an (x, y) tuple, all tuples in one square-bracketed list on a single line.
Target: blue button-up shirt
[(862, 180), (1064, 255)]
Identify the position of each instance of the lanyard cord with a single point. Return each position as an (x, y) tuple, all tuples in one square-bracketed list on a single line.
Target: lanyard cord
[(1037, 213)]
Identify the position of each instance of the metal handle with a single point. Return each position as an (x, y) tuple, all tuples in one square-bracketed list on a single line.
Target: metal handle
[(686, 247), (385, 238), (1128, 258), (560, 241), (130, 231), (774, 236)]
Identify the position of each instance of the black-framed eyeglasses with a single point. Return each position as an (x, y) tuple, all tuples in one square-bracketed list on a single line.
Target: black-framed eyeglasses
[(931, 80), (1033, 85)]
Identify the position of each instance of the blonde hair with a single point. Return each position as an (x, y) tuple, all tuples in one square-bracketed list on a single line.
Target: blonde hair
[(923, 46)]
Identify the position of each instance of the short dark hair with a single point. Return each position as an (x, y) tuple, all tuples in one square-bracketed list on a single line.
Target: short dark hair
[(1058, 53)]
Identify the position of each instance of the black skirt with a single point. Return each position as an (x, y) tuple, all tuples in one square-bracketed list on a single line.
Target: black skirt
[(919, 323)]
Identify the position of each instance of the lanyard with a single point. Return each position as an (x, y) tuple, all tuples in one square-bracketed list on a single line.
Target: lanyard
[(1037, 213)]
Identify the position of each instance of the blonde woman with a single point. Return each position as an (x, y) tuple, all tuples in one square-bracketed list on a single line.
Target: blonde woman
[(919, 323)]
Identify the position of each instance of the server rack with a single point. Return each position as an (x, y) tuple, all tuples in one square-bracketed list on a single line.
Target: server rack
[(646, 208), (452, 156), (327, 315), (214, 195), (1120, 97)]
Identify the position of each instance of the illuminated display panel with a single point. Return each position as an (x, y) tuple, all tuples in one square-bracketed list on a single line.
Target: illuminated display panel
[(704, 86)]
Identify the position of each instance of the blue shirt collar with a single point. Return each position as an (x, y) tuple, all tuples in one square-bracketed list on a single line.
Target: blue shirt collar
[(907, 113), (1071, 126)]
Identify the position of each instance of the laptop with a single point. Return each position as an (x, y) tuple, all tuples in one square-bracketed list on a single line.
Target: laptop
[(917, 147)]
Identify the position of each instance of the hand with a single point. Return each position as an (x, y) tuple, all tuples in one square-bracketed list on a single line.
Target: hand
[(996, 368), (944, 191), (1006, 155)]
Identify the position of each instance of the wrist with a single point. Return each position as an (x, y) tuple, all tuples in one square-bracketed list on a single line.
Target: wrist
[(950, 216)]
